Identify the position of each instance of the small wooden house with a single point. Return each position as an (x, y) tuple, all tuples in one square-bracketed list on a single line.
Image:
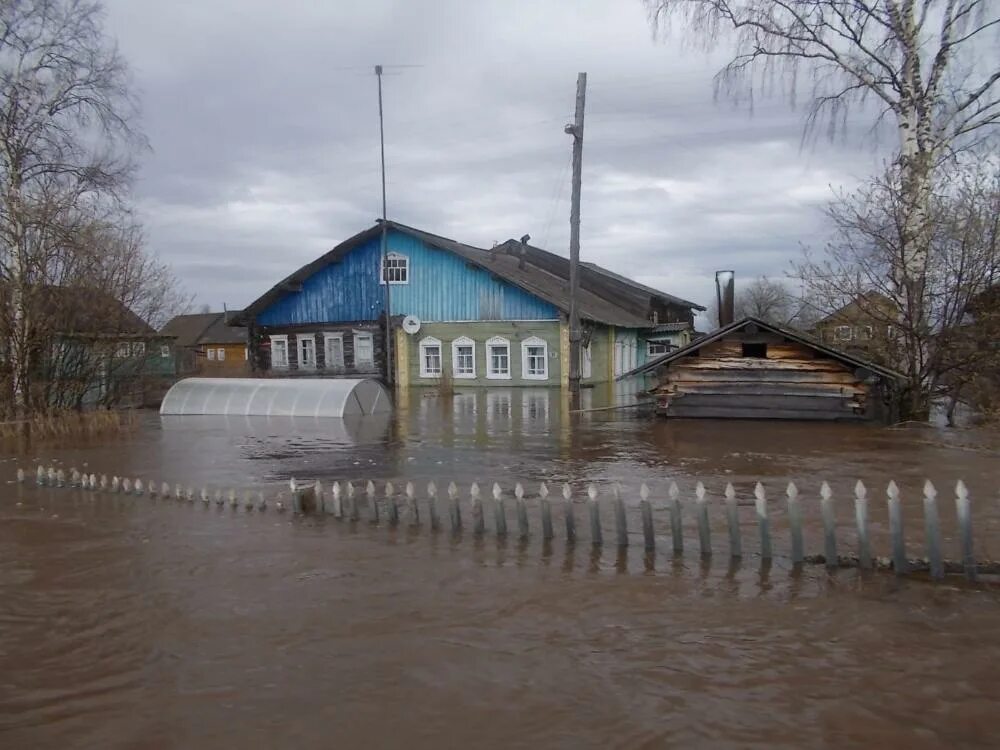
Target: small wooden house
[(750, 369), (205, 344)]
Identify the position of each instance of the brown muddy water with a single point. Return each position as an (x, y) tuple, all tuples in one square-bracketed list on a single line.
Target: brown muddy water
[(138, 623)]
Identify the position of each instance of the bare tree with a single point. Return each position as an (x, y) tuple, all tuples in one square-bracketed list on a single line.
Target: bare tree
[(66, 142), (951, 341), (929, 64)]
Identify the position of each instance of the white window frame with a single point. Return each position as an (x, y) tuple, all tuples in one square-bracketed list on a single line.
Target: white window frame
[(283, 340), (455, 345), (491, 344), (426, 343), (839, 331), (123, 350), (139, 349), (300, 341), (383, 265), (210, 353), (529, 343), (327, 338), (651, 344), (220, 354), (364, 336), (164, 351)]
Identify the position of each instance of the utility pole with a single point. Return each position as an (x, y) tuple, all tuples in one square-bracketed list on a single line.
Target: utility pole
[(575, 130), (382, 274)]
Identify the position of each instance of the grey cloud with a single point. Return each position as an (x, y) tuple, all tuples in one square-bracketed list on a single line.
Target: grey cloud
[(262, 118)]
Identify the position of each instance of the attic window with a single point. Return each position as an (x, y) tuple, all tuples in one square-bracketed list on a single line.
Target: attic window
[(755, 351), (395, 269)]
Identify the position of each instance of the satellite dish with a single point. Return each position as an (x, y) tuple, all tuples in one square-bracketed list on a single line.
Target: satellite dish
[(411, 324)]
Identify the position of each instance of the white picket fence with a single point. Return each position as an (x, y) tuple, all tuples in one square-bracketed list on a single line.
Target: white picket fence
[(351, 503)]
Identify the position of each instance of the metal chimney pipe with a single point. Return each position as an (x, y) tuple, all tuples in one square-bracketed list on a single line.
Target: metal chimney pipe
[(725, 296)]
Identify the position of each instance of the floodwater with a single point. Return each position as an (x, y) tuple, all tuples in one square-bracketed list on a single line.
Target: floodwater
[(139, 623)]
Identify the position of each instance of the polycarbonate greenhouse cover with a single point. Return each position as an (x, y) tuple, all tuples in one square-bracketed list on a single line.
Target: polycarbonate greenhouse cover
[(284, 397)]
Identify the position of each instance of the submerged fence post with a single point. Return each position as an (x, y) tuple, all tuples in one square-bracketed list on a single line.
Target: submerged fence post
[(795, 522), (676, 530), (543, 494), (829, 525), (704, 531), (964, 512), (932, 528), (896, 529), (499, 512), (432, 509), (352, 502), (596, 537), (392, 507), (478, 522), (570, 518), (454, 510), (621, 523), (412, 508), (763, 521), (320, 497), (861, 521), (522, 512), (733, 519), (646, 509), (293, 486), (337, 502), (372, 502)]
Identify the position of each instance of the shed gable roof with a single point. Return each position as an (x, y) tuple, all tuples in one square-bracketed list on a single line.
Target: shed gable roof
[(796, 336)]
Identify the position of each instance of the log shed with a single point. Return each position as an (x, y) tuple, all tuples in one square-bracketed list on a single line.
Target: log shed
[(750, 369)]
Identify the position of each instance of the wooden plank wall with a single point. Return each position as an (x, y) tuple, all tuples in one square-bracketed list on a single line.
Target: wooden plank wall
[(792, 382)]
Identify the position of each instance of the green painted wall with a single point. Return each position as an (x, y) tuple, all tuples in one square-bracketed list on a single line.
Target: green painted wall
[(599, 356), (515, 332)]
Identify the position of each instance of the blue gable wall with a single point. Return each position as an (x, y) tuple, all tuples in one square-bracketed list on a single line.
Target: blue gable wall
[(344, 291), (442, 287), (445, 287)]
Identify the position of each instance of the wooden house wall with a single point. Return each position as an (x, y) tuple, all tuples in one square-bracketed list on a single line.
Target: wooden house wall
[(441, 287), (793, 382), (445, 287), (261, 350)]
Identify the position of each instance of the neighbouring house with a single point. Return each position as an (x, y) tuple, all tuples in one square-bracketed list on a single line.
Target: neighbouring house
[(863, 325), (473, 316), (750, 369), (205, 344), (97, 353)]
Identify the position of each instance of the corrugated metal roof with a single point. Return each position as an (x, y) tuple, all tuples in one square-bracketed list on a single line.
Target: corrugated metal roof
[(550, 287)]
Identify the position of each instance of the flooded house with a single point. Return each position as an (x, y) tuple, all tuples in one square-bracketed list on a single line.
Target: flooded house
[(99, 352), (750, 369), (205, 344), (457, 314), (864, 325)]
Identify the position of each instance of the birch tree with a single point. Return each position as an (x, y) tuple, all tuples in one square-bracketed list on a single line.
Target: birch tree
[(930, 66), (954, 343), (66, 141)]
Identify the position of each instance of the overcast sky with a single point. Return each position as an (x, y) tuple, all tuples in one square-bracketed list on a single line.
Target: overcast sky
[(262, 118)]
